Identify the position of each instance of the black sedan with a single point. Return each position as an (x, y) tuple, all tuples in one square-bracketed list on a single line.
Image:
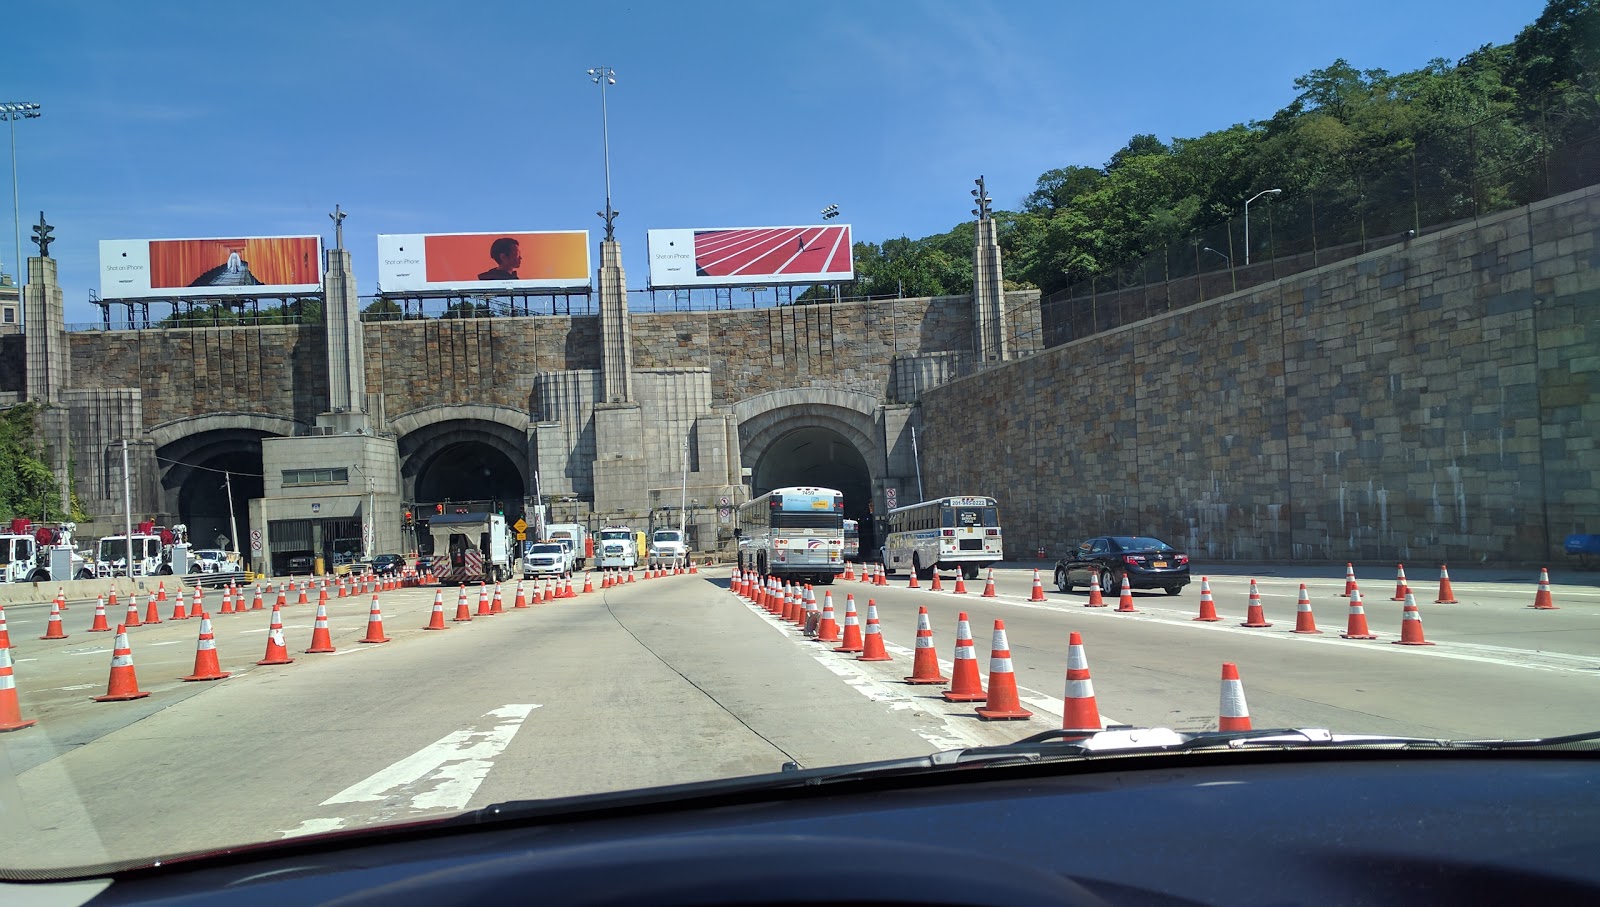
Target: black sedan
[(1147, 562), (388, 564)]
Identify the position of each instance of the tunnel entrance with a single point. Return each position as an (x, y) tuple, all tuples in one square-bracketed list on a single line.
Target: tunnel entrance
[(198, 471), (469, 472), (825, 458)]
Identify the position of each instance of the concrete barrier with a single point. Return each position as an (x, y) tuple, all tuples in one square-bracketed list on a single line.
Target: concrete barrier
[(74, 590)]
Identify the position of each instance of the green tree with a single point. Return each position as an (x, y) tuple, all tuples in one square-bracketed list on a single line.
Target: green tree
[(381, 309), (28, 488)]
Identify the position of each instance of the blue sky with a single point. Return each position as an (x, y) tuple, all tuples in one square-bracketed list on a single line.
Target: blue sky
[(187, 120)]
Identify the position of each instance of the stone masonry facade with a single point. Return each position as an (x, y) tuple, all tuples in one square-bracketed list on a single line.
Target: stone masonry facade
[(1434, 402)]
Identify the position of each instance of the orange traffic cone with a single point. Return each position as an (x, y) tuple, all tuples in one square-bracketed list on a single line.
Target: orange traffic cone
[(630, 574), (605, 579), (53, 629), (988, 586), (1125, 599), (1349, 580), (132, 620), (1400, 587), (961, 584), (693, 570), (1447, 595), (1411, 625), (1002, 702), (256, 603), (205, 654), (1304, 620), (852, 628), (338, 587), (828, 626), (282, 600), (227, 600), (179, 612), (849, 574), (152, 612), (1233, 714), (1096, 594), (197, 604), (1081, 712), (1357, 626), (374, 623), (498, 607), (522, 599), (1542, 600), (1255, 615), (912, 582), (936, 587), (436, 621), (302, 600), (124, 683), (1038, 592), (872, 643), (61, 598), (483, 601), (925, 664), (1208, 605), (321, 639), (965, 685), (161, 591), (111, 601), (463, 613), (10, 707), (322, 595), (588, 582), (277, 650), (99, 625), (5, 635)]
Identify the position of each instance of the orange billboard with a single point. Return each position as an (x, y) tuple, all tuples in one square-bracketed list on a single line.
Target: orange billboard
[(550, 260), (240, 266)]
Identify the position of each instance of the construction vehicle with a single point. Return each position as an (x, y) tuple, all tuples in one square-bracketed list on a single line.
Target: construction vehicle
[(470, 548), (157, 551), (40, 554)]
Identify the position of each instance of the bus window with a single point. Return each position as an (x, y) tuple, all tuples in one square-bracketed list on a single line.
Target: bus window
[(956, 517)]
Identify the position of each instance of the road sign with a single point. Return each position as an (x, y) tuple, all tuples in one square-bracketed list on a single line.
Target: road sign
[(522, 536), (255, 541), (724, 514), (889, 498), (521, 525), (725, 501)]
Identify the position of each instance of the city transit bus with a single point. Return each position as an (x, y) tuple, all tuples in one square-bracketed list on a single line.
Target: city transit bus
[(953, 533), (794, 533)]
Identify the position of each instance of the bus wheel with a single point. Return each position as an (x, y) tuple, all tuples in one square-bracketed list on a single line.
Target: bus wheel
[(970, 571), (921, 571)]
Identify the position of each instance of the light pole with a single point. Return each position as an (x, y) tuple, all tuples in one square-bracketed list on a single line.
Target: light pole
[(1247, 219), (603, 76), (13, 111)]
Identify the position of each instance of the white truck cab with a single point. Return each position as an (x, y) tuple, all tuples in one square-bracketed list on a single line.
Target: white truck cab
[(667, 548), (617, 549)]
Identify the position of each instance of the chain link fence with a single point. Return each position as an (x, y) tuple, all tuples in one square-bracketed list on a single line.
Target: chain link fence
[(1377, 200)]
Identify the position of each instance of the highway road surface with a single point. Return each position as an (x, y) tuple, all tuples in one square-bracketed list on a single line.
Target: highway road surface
[(676, 679)]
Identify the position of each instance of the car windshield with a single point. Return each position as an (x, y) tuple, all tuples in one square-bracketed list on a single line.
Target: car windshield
[(306, 295)]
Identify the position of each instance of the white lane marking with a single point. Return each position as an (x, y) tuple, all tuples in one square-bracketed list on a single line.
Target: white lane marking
[(444, 774), (170, 642), (79, 686), (92, 651), (1503, 656), (312, 827)]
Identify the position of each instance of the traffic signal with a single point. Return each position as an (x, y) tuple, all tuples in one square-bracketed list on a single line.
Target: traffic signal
[(438, 508)]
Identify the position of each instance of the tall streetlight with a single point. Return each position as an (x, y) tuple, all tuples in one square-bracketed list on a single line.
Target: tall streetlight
[(603, 76), (1247, 219), (13, 111)]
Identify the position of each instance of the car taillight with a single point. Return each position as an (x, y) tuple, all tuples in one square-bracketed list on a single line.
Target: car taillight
[(1182, 558), (948, 533), (991, 532), (1133, 559)]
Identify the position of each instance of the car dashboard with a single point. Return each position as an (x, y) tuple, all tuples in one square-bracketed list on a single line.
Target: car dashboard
[(1368, 827)]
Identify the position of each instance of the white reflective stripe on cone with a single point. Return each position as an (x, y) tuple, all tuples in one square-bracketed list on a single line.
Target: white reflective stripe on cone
[(924, 642), (1000, 665), (1233, 704), (968, 652), (1080, 689), (1076, 660)]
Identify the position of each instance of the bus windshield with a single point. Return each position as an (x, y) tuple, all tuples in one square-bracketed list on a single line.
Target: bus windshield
[(960, 517)]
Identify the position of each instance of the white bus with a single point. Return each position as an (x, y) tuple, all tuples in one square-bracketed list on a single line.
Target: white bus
[(955, 533), (794, 533)]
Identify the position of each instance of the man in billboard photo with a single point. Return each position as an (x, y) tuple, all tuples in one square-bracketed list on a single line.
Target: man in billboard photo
[(507, 255)]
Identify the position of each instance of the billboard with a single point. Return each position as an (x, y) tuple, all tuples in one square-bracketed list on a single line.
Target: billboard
[(483, 262), (245, 266), (749, 256)]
